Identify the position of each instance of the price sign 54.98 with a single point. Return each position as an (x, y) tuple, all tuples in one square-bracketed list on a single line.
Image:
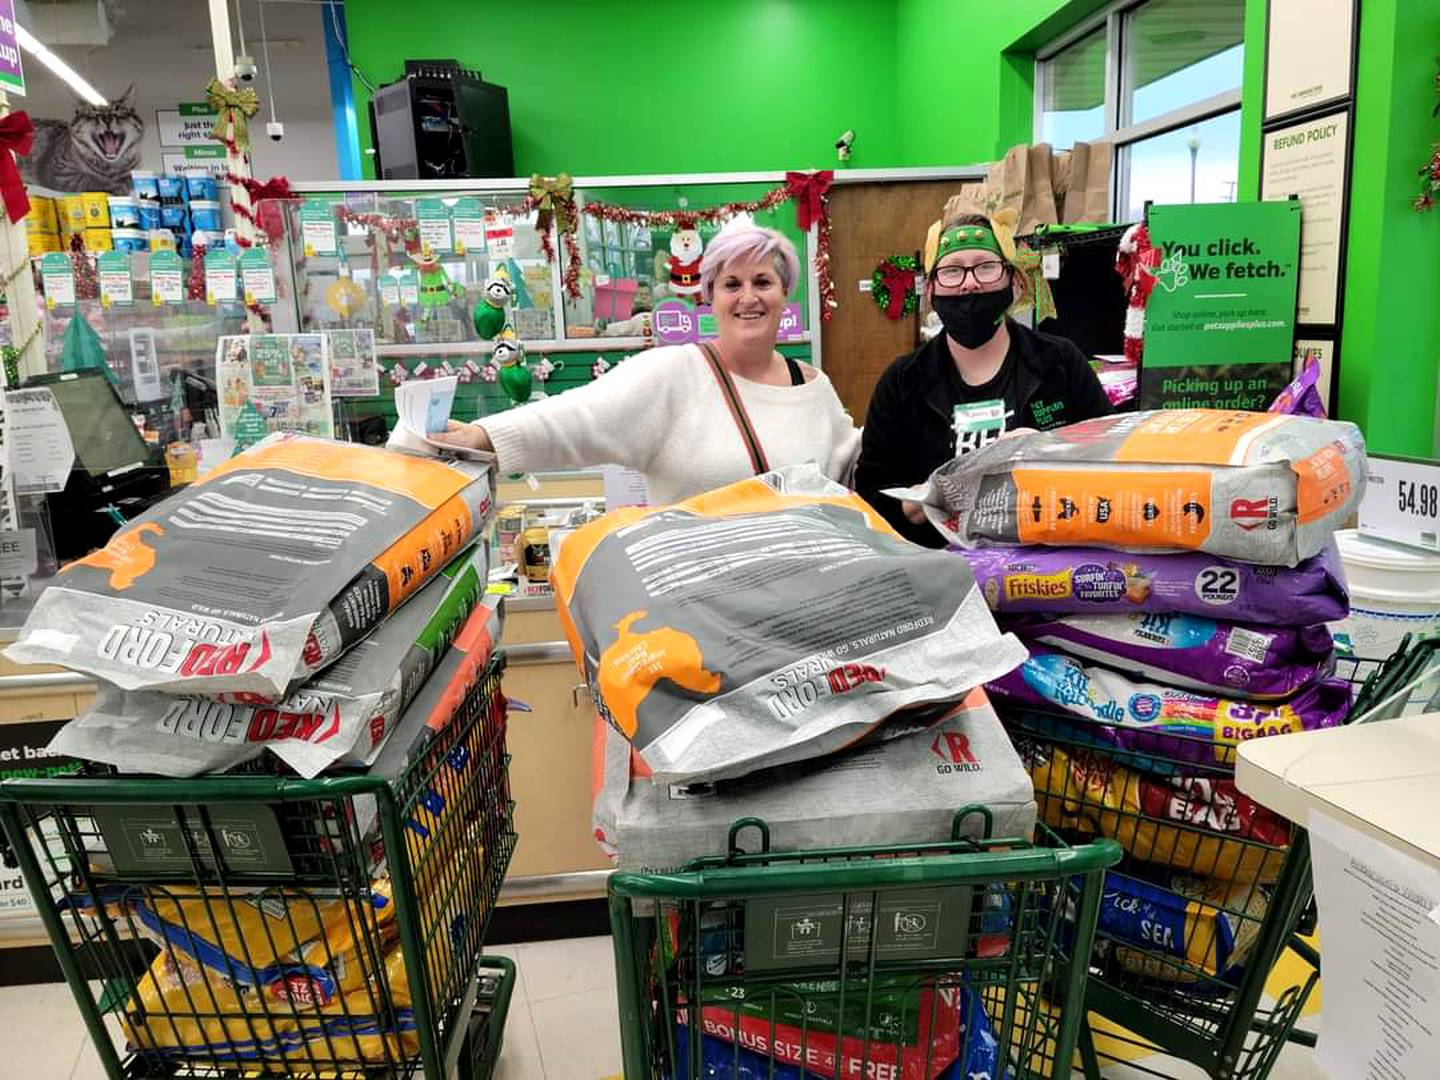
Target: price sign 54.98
[(1402, 502)]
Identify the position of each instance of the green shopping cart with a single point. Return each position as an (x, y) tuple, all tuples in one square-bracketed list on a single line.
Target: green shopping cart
[(260, 925), (892, 963), (1212, 890)]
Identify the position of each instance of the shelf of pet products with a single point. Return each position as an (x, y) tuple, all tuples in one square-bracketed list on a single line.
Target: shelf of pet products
[(614, 267)]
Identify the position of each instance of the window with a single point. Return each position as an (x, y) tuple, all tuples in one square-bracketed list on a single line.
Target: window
[(1161, 81)]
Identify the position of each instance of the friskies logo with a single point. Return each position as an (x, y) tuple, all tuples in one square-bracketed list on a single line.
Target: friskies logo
[(953, 750)]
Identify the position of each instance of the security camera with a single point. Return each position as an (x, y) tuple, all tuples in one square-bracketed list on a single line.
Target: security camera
[(245, 68), (844, 144), (276, 130)]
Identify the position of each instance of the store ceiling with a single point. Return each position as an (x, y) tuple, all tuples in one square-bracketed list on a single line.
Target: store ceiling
[(1171, 36)]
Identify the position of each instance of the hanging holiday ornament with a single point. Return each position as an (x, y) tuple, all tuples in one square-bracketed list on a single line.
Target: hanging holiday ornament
[(469, 371), (489, 373), (489, 313), (515, 377), (892, 286), (544, 369), (398, 372), (599, 368), (345, 297)]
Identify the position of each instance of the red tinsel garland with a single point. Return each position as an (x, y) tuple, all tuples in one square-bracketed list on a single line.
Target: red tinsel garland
[(87, 280), (195, 286), (675, 218)]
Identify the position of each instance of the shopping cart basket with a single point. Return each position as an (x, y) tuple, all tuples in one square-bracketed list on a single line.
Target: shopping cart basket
[(893, 963), (259, 925), (1213, 888)]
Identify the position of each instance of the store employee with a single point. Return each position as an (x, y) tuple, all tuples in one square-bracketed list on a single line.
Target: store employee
[(986, 376)]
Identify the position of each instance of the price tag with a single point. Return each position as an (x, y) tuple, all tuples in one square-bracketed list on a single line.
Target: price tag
[(499, 237), (389, 286), (167, 278), (258, 276), (1402, 502), (433, 220), (866, 285), (317, 227), (409, 287), (469, 218), (117, 284), (1050, 265), (220, 278), (57, 280)]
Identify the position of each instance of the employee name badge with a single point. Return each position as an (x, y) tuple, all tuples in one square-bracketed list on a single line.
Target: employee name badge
[(977, 424)]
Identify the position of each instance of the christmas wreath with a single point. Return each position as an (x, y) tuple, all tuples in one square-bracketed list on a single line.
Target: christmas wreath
[(892, 286)]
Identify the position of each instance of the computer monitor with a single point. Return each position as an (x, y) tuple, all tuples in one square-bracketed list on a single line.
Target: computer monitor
[(106, 440)]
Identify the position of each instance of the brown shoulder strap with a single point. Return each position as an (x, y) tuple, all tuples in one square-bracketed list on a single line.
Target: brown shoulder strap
[(737, 409)]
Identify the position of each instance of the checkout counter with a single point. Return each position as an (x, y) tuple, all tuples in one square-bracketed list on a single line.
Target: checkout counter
[(556, 859)]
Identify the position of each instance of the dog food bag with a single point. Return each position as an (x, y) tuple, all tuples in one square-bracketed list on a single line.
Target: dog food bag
[(1201, 825), (773, 620), (263, 572), (1143, 716), (1083, 581), (342, 716), (1260, 487), (903, 790), (902, 1029), (1178, 931), (1252, 663)]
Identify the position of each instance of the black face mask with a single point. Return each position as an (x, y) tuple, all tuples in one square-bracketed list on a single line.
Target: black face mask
[(972, 319)]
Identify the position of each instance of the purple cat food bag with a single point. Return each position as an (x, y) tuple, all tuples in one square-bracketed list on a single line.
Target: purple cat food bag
[(1302, 396), (1161, 719), (1090, 581), (1190, 652)]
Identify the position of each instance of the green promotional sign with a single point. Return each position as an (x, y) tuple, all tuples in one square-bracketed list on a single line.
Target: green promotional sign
[(1220, 324)]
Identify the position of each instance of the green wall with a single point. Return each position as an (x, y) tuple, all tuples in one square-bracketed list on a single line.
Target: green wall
[(603, 87), (960, 94), (1390, 351)]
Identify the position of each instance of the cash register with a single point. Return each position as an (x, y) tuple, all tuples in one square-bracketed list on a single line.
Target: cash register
[(117, 475)]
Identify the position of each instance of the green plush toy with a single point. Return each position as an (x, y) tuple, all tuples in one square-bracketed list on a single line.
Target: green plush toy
[(489, 313), (509, 359)]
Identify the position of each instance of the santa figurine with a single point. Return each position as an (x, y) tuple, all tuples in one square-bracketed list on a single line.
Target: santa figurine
[(686, 248)]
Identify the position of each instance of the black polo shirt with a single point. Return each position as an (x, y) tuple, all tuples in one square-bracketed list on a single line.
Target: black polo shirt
[(912, 427)]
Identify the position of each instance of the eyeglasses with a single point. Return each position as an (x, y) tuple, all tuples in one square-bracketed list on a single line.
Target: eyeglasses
[(986, 273)]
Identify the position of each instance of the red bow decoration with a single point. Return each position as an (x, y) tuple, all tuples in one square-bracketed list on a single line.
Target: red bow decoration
[(808, 190), (17, 135), (265, 199), (897, 283)]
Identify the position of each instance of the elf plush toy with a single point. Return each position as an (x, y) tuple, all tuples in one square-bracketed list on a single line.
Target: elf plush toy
[(489, 313), (436, 289), (686, 247)]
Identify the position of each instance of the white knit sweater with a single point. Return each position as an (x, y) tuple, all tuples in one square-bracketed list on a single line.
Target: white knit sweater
[(662, 414)]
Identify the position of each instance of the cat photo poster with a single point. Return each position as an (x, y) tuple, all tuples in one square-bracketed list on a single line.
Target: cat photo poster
[(95, 150)]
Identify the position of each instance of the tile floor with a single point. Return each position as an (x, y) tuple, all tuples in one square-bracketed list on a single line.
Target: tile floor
[(561, 1025)]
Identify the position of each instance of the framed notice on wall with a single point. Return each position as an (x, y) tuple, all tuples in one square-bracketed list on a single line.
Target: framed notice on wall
[(1310, 159), (1309, 54)]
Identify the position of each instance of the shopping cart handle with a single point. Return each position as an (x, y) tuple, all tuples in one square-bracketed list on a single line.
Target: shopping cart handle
[(944, 867)]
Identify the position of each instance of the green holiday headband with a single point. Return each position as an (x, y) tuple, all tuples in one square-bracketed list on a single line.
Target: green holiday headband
[(967, 238)]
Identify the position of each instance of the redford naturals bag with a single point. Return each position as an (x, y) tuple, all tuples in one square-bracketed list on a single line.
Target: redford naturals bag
[(263, 572), (904, 790), (343, 716), (1260, 487), (773, 620)]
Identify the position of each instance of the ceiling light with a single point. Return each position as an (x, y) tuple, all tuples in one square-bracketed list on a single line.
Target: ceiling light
[(64, 71)]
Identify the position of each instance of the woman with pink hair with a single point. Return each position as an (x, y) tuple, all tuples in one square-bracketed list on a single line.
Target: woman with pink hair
[(693, 417)]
